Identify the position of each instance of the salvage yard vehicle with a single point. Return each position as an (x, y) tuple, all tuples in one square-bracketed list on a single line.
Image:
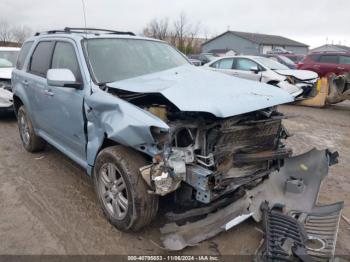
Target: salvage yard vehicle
[(299, 83), (8, 58), (145, 123), (326, 63)]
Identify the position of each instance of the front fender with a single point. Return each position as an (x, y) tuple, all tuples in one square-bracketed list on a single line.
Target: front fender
[(120, 121)]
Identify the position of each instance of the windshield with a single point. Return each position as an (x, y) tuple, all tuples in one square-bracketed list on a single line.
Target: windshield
[(114, 59), (286, 60), (8, 58), (271, 64)]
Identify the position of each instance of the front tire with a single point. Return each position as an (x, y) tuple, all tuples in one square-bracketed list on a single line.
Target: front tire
[(120, 189), (31, 142)]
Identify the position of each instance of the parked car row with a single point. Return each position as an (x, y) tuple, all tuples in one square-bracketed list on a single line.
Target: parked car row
[(8, 58)]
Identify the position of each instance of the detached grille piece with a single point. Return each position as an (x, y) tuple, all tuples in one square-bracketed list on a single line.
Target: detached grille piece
[(285, 238)]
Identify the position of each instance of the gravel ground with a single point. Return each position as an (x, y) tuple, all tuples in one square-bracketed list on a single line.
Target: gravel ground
[(48, 204)]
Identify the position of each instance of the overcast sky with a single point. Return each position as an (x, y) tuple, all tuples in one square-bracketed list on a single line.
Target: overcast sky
[(307, 21)]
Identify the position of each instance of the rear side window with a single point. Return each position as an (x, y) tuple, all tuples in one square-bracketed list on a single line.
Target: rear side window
[(329, 59), (23, 54), (315, 58), (64, 57), (345, 60), (40, 61), (223, 64)]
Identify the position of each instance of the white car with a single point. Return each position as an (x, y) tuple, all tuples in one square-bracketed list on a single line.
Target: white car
[(8, 59), (299, 83)]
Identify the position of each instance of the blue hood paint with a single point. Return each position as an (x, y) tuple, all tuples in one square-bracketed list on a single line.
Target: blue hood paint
[(195, 89)]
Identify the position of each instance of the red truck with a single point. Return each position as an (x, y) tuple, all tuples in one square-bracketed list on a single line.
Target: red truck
[(325, 63)]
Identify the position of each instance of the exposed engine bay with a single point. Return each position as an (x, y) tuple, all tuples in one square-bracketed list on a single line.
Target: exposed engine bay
[(213, 156)]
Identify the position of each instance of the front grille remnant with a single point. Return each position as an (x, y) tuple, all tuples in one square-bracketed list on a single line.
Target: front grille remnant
[(246, 138), (285, 237)]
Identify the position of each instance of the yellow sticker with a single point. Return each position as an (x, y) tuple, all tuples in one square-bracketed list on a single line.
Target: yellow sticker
[(304, 167)]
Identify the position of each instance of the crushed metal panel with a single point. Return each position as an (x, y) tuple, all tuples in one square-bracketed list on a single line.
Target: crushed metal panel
[(228, 95), (308, 170), (120, 121)]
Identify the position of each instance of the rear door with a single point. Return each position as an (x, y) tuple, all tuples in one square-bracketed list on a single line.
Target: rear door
[(242, 68), (344, 64), (328, 63), (37, 84)]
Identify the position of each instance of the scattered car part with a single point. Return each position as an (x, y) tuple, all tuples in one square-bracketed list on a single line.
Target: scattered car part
[(331, 90), (285, 237), (294, 187)]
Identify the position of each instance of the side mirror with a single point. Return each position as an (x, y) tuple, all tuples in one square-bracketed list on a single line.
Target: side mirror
[(61, 77), (254, 69)]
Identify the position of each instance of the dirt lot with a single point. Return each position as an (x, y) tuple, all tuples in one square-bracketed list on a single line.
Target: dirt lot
[(48, 205)]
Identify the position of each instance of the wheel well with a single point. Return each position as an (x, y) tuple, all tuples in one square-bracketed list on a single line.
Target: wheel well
[(108, 143), (17, 103)]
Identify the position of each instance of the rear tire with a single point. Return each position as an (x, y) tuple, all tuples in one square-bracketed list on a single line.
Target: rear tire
[(120, 189), (31, 142)]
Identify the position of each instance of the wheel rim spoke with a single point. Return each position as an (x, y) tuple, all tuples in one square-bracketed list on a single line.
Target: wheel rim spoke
[(111, 172), (122, 202), (108, 196), (116, 208), (105, 180)]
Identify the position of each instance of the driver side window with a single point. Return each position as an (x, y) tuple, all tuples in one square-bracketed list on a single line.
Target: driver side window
[(64, 57), (245, 64)]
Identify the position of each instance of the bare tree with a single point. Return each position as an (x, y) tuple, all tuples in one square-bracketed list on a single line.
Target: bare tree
[(21, 33), (180, 31), (5, 32), (158, 28)]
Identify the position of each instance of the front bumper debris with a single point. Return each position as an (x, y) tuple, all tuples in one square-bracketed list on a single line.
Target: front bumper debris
[(295, 188)]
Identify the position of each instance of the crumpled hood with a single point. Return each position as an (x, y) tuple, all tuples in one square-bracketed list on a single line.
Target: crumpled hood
[(299, 74), (195, 89), (5, 73)]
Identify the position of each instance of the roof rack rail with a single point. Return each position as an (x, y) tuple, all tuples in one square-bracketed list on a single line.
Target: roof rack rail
[(83, 30)]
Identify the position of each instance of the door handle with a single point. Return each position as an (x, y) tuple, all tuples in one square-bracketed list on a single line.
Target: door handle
[(49, 93), (340, 68), (317, 66), (25, 82)]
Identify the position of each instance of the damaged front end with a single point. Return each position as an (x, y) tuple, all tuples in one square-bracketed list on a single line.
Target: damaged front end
[(214, 156)]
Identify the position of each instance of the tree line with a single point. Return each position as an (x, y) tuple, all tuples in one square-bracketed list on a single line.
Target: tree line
[(181, 33), (13, 34)]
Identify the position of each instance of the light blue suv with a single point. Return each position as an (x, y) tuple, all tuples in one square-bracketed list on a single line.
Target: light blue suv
[(144, 122)]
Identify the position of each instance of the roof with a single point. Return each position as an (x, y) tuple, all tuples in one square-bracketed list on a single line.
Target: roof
[(262, 39), (341, 47)]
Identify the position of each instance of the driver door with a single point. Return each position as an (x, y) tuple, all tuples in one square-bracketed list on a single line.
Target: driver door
[(63, 106)]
